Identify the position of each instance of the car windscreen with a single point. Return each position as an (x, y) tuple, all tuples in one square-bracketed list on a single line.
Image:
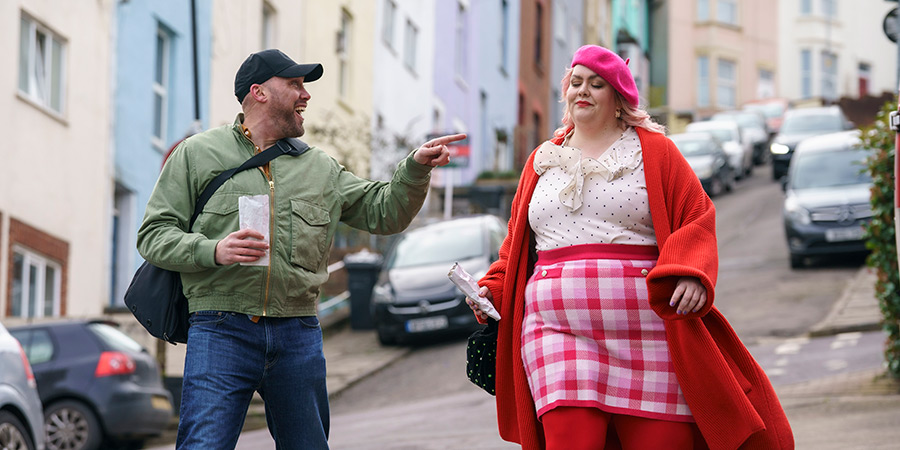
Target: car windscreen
[(114, 338), (823, 123), (830, 169), (722, 134), (691, 147), (435, 245), (744, 120), (769, 109)]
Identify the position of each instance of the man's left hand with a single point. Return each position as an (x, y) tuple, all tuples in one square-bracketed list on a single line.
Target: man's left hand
[(435, 153)]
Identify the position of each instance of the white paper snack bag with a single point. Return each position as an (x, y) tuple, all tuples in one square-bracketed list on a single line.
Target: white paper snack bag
[(254, 214), (467, 285)]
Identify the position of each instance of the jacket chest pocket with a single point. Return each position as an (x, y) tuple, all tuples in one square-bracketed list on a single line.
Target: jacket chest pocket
[(219, 216), (309, 234)]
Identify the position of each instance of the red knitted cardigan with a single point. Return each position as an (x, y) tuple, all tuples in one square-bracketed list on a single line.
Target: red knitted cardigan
[(730, 396)]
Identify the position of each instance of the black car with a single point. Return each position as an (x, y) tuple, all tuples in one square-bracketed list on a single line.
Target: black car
[(99, 388), (708, 159), (414, 297), (827, 197), (800, 124)]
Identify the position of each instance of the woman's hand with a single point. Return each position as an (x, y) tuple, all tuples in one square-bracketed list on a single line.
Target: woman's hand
[(486, 293), (689, 295)]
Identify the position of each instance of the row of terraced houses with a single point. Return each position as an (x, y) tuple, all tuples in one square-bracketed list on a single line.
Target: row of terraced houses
[(96, 92)]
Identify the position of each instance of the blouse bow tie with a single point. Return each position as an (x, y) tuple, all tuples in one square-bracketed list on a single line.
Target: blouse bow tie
[(614, 163)]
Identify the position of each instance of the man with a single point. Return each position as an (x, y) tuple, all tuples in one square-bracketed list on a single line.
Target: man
[(254, 327)]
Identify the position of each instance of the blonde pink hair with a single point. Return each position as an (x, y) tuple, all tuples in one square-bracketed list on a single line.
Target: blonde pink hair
[(631, 115)]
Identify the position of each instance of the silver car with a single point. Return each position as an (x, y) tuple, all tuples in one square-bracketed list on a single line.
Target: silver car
[(21, 417), (740, 153)]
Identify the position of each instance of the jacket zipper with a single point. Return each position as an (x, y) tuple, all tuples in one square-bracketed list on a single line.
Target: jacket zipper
[(271, 239)]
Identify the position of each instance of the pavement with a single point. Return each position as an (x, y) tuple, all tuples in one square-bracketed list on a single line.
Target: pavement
[(855, 409)]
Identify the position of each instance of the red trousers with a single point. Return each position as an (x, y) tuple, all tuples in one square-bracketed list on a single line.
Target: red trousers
[(576, 428)]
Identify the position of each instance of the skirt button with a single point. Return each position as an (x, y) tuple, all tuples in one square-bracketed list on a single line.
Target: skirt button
[(645, 272), (543, 273)]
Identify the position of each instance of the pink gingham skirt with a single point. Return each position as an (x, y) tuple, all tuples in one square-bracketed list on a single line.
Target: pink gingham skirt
[(590, 339)]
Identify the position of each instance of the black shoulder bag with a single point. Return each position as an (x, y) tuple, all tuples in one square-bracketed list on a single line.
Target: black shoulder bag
[(481, 357), (155, 295)]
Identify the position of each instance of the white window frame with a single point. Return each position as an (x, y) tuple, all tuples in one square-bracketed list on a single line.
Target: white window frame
[(504, 35), (269, 24), (703, 78), (865, 73), (806, 7), (765, 86), (829, 75), (40, 76), (829, 9), (727, 12), (387, 26), (343, 53), (560, 21), (461, 29), (806, 64), (703, 10), (410, 45), (123, 242), (31, 259), (726, 87), (161, 88)]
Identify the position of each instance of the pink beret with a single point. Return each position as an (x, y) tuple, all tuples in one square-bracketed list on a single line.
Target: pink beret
[(611, 67)]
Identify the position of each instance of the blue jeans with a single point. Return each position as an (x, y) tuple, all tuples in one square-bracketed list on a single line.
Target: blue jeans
[(229, 357)]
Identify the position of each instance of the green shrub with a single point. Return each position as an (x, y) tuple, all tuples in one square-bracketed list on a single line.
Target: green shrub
[(880, 232)]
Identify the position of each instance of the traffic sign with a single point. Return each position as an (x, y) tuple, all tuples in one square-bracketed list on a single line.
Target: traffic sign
[(890, 25)]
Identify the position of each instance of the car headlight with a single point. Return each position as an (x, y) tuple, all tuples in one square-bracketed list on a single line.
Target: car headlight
[(796, 213), (779, 149), (382, 294)]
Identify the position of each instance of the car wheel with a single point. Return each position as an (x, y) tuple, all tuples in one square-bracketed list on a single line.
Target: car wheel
[(386, 338), (730, 181), (13, 434), (71, 425), (796, 262), (715, 187)]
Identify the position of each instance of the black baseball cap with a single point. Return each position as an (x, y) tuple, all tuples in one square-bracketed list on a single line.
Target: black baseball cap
[(260, 66)]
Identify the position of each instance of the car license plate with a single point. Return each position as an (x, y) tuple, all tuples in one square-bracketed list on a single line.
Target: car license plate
[(844, 234), (160, 402), (427, 324)]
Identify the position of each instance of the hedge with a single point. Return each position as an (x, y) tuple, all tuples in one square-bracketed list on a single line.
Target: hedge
[(880, 233)]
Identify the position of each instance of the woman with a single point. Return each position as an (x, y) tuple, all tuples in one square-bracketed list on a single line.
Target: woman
[(605, 283)]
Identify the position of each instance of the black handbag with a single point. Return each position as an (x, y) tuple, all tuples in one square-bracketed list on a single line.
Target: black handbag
[(481, 357), (155, 295)]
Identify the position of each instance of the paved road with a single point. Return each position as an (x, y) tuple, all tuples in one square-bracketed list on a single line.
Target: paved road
[(423, 402)]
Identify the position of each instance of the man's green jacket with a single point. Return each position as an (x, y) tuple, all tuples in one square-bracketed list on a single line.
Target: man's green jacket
[(308, 195)]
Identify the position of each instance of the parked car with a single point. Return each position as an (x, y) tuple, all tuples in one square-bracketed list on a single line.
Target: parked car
[(98, 386), (740, 154), (753, 131), (827, 197), (800, 124), (414, 297), (21, 419), (773, 109), (708, 159)]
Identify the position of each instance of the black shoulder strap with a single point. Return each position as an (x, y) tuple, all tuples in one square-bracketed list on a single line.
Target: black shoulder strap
[(288, 146)]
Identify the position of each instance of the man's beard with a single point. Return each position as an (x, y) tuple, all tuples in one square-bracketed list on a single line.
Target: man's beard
[(289, 127)]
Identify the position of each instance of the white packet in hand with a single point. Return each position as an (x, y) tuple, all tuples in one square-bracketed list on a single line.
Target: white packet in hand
[(468, 286), (254, 214)]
